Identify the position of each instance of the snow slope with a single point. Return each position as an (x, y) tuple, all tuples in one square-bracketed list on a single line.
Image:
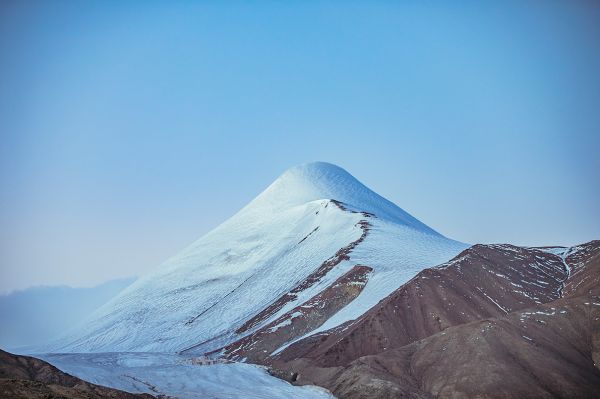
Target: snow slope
[(200, 297)]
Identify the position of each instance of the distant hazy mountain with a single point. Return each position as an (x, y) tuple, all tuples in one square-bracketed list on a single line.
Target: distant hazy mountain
[(36, 315)]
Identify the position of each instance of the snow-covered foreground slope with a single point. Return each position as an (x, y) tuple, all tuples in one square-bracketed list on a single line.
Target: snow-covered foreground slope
[(179, 377), (312, 225)]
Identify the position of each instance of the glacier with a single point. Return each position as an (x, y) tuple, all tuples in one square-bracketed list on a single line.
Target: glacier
[(167, 375)]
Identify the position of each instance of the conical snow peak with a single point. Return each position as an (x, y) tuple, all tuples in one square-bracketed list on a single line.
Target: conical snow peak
[(321, 180)]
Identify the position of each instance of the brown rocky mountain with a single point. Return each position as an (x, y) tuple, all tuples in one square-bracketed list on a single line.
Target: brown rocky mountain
[(481, 282), (30, 378), (497, 321)]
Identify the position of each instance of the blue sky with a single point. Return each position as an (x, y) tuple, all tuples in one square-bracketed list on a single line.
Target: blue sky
[(129, 129)]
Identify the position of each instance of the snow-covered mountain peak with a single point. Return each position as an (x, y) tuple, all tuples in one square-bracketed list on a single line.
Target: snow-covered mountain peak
[(314, 227), (321, 180)]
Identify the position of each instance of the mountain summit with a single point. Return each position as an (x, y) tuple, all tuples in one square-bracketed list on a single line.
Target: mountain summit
[(321, 180), (315, 249)]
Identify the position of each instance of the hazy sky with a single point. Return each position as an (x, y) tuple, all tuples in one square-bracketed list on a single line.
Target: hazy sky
[(129, 129)]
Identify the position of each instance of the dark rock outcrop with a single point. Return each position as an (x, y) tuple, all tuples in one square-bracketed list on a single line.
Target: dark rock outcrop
[(30, 378)]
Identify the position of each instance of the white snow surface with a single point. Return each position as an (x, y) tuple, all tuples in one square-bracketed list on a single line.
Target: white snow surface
[(178, 377), (207, 291), (321, 180)]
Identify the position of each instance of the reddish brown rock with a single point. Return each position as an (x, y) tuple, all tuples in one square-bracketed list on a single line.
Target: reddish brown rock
[(541, 353), (483, 281), (497, 321), (584, 262)]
